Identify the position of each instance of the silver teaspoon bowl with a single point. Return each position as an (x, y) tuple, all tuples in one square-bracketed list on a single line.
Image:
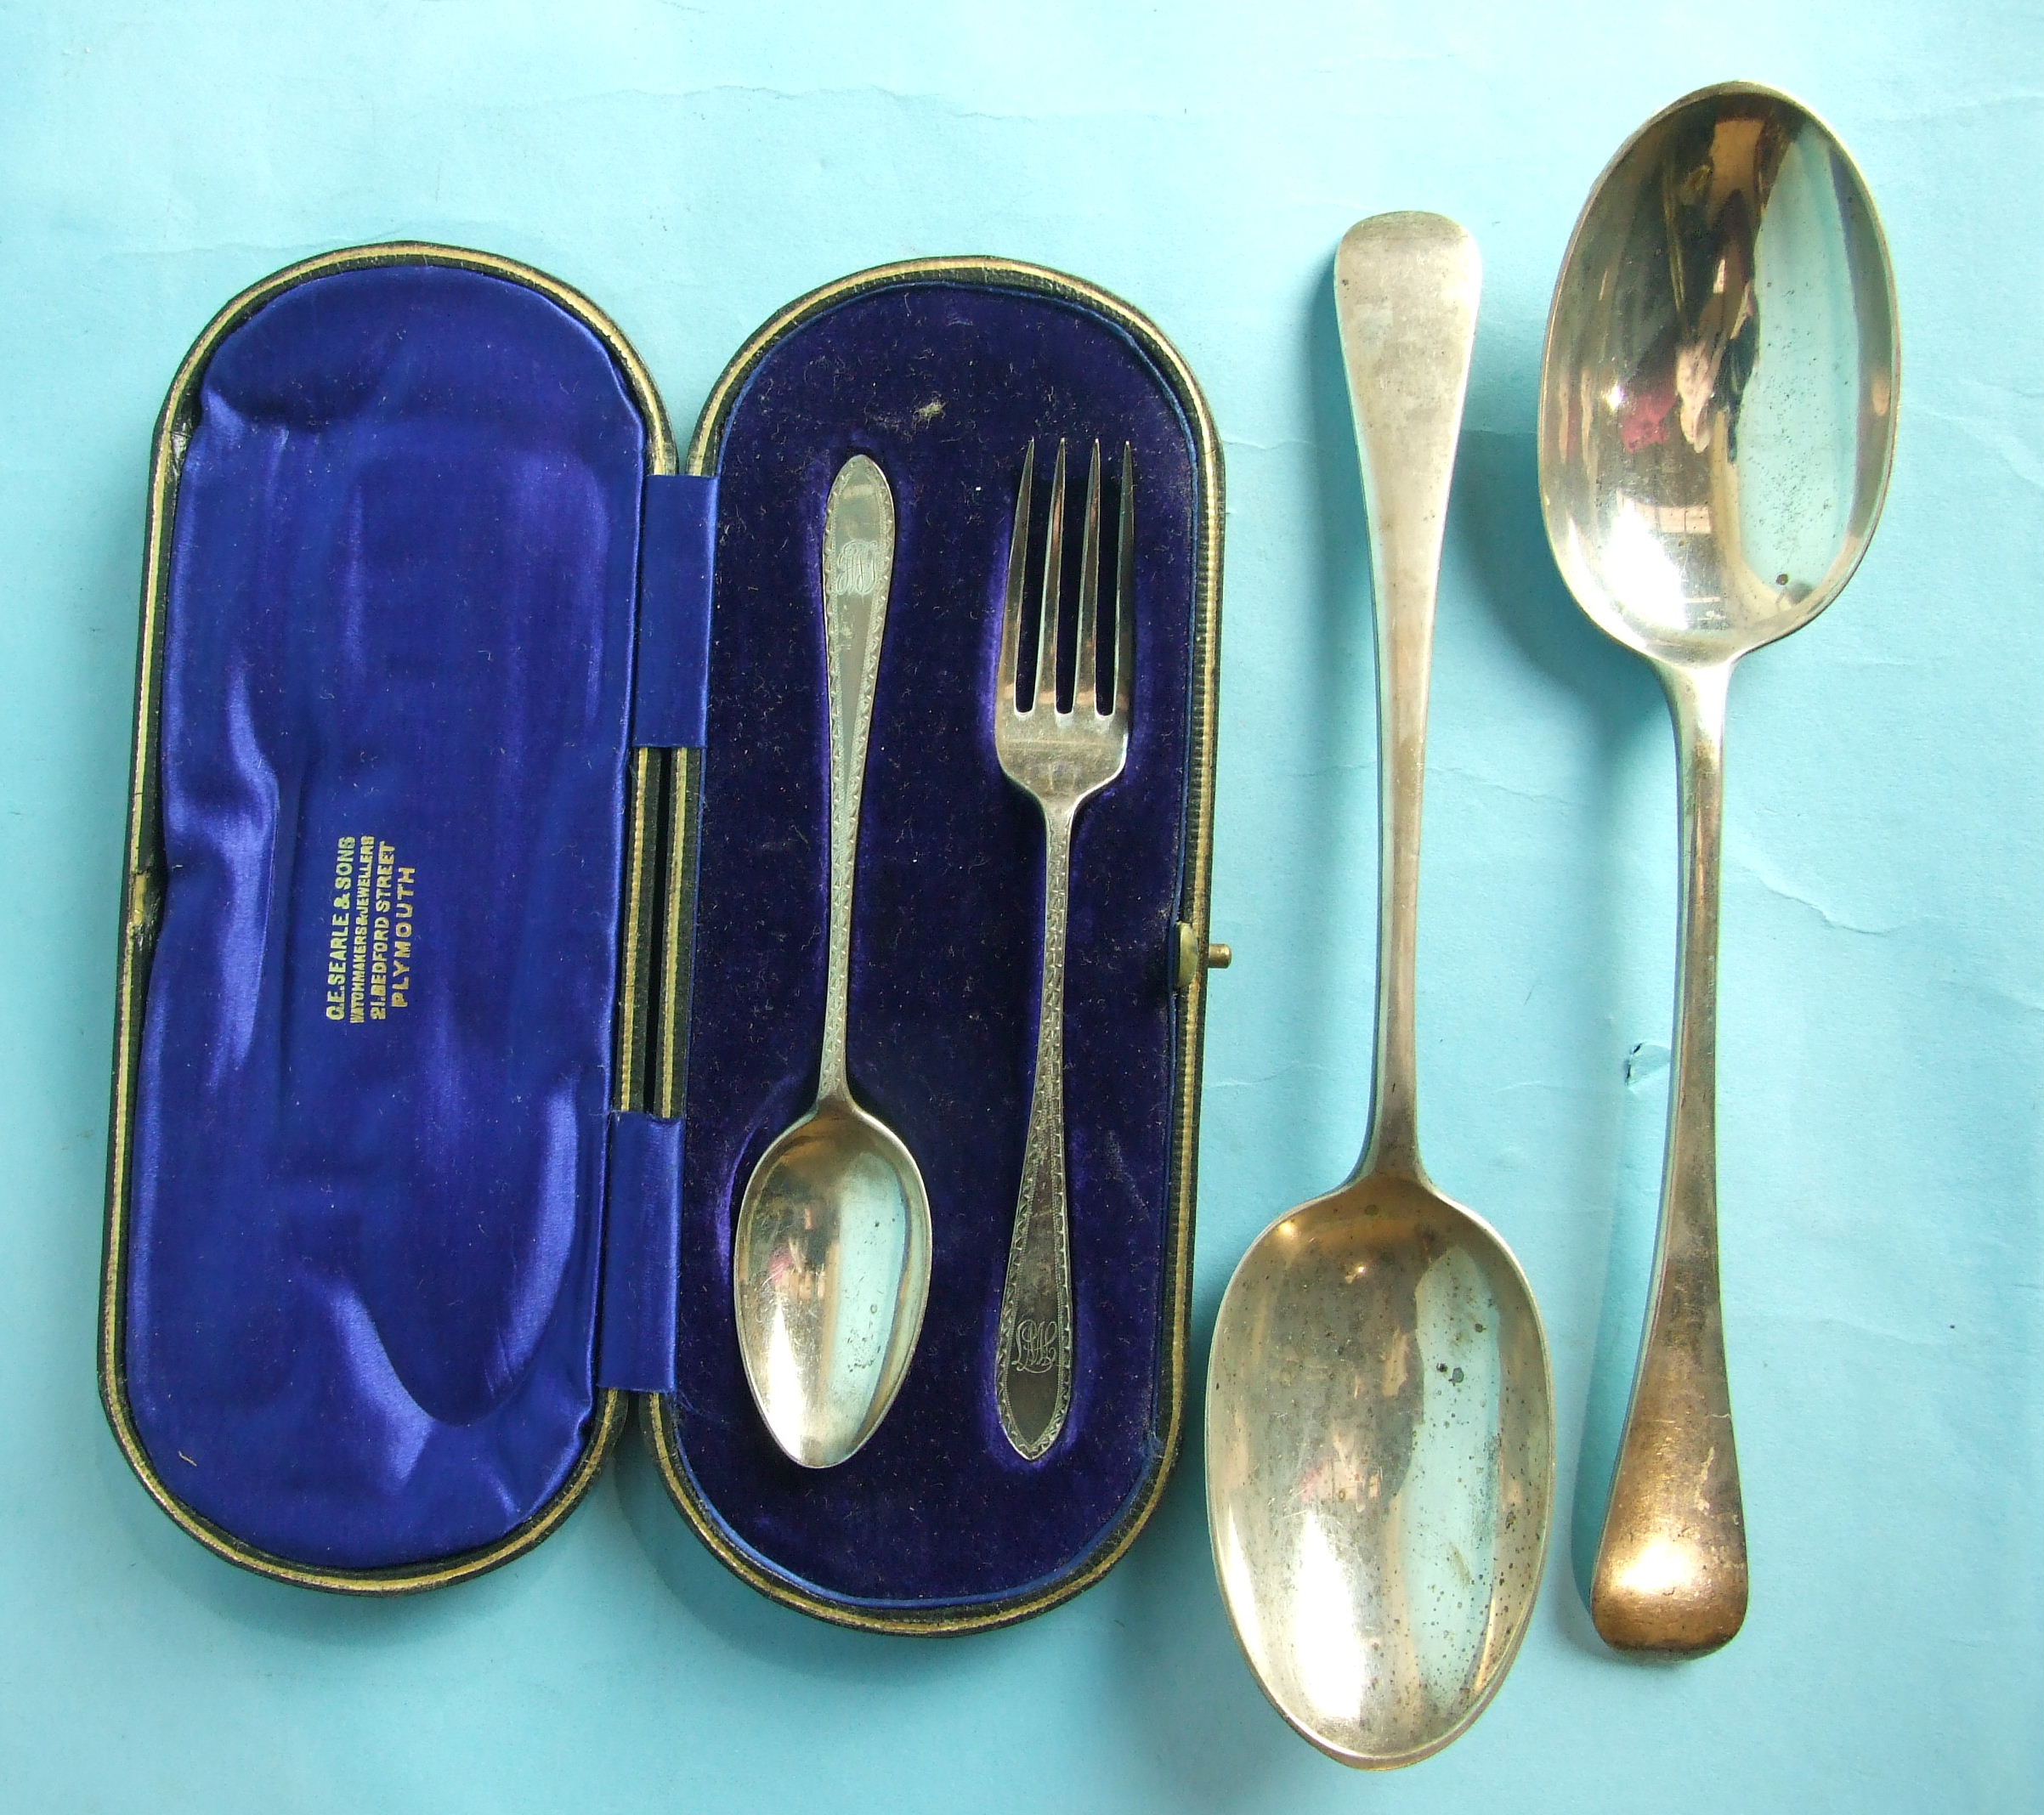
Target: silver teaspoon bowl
[(832, 1266), (1717, 422)]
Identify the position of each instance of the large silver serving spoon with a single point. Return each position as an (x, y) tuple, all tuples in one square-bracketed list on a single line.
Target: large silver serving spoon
[(1717, 418), (1380, 1426), (830, 1262)]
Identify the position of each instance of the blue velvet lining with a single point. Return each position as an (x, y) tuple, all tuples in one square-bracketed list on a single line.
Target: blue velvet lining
[(942, 383), (363, 1261)]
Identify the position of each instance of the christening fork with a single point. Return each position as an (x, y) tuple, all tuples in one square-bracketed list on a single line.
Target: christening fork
[(1062, 757)]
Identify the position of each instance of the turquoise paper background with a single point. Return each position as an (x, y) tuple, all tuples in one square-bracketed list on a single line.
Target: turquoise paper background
[(692, 169)]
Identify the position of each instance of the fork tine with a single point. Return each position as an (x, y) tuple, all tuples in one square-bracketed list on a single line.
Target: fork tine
[(1084, 687), (1018, 563), (1124, 588), (1053, 566)]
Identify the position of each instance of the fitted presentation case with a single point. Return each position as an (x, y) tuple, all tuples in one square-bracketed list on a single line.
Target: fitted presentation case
[(473, 940)]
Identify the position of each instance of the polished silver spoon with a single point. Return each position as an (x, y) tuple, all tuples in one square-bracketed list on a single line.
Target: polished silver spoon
[(1380, 1426), (830, 1262), (1717, 419)]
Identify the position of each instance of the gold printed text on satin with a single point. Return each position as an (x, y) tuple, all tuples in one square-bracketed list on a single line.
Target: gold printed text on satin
[(370, 926)]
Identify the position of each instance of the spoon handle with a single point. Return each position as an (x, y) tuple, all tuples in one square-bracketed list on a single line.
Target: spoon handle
[(1405, 291), (1671, 1571), (858, 564)]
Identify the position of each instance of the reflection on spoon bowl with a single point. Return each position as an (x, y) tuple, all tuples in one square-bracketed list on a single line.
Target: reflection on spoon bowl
[(831, 1266), (1379, 1466), (1717, 401)]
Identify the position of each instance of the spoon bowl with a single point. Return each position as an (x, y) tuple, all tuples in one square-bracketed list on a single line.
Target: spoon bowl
[(1717, 417), (1380, 1455), (832, 1262)]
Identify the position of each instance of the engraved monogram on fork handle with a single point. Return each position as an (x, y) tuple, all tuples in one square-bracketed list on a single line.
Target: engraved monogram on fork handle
[(1061, 758)]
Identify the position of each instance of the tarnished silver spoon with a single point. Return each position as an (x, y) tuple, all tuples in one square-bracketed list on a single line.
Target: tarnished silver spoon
[(1380, 1425), (1717, 420), (830, 1260)]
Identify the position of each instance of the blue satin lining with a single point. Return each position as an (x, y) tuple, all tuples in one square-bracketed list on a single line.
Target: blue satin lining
[(363, 1253), (677, 565), (635, 1350)]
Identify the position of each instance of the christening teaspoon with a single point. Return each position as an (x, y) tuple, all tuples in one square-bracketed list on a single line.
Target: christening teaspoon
[(1379, 1415), (831, 1261), (1717, 419)]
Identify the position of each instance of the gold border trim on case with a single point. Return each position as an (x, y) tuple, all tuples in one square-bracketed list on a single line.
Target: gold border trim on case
[(143, 895), (656, 1411), (670, 1061)]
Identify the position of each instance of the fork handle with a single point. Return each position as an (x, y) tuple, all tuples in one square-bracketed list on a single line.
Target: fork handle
[(1033, 1377)]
